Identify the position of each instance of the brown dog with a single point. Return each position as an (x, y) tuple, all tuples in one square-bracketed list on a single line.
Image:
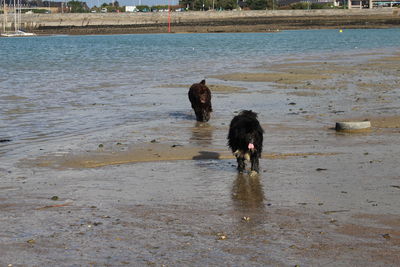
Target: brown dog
[(200, 97)]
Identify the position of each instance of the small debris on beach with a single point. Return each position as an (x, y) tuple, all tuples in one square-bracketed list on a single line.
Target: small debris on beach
[(176, 145), (54, 198), (246, 219), (386, 236), (221, 236), (352, 125)]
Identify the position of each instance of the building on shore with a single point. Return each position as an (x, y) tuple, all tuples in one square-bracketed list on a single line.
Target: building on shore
[(39, 6), (350, 4)]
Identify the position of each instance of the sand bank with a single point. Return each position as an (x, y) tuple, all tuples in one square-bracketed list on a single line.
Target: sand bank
[(145, 152)]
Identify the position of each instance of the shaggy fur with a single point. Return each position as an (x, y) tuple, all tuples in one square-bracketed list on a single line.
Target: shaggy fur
[(200, 97), (245, 139)]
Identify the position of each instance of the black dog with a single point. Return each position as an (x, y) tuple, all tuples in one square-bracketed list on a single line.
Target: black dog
[(245, 139), (200, 97)]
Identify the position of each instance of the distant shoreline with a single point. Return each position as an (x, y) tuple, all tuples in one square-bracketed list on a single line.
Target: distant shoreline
[(209, 22), (230, 25)]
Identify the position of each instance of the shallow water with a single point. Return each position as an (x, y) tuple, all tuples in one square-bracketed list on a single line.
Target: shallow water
[(60, 86)]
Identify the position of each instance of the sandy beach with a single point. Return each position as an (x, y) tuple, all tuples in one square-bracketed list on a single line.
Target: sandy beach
[(322, 198)]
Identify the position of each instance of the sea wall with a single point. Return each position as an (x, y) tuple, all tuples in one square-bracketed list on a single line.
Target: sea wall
[(36, 21)]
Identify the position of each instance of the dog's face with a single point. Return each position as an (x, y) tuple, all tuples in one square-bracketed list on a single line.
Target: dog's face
[(250, 140), (204, 96)]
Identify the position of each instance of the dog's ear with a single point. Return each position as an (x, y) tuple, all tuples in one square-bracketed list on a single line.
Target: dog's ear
[(203, 82)]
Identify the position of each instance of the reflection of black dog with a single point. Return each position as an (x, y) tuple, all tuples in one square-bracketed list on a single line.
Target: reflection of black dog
[(245, 138), (200, 97)]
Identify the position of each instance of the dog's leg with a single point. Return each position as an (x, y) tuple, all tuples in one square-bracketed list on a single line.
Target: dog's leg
[(241, 164), (199, 114), (255, 165)]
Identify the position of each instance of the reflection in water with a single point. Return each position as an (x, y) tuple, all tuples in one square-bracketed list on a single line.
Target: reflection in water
[(206, 155), (202, 134), (248, 204), (182, 115), (247, 193)]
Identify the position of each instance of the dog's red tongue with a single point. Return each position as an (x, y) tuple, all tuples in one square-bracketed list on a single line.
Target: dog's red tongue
[(250, 146)]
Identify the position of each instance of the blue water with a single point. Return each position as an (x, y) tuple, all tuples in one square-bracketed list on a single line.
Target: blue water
[(56, 86)]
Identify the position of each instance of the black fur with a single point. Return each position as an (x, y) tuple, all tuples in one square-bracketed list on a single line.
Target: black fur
[(245, 129), (200, 98)]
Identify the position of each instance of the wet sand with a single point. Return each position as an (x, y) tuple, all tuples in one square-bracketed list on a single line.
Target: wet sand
[(322, 197)]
